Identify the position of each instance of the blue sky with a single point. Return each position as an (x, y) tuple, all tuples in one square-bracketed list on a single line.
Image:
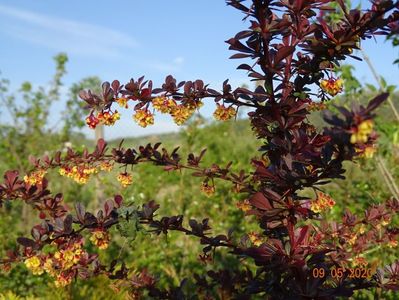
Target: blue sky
[(123, 39)]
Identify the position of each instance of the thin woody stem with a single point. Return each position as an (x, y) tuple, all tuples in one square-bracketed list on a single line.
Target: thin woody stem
[(394, 188)]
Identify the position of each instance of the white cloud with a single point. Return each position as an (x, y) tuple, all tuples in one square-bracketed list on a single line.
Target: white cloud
[(178, 60), (173, 66), (62, 34)]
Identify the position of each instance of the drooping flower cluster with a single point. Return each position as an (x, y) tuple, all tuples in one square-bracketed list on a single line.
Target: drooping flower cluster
[(80, 174), (60, 265), (33, 263), (361, 133), (35, 177), (143, 117), (366, 151), (125, 179), (100, 238), (332, 86), (223, 113), (181, 114), (122, 101), (106, 166), (107, 118), (92, 121), (208, 189), (64, 278), (255, 238), (164, 104), (316, 106), (70, 256), (322, 202), (244, 205)]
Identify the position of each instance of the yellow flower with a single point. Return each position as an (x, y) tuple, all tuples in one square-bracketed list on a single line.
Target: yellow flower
[(115, 117), (143, 117), (106, 166), (223, 113), (362, 229), (80, 174), (392, 244), (385, 222), (48, 266), (352, 239), (244, 205), (332, 86), (62, 171), (315, 207), (361, 134), (181, 114), (89, 171), (108, 118), (122, 102), (367, 152), (33, 263), (36, 177), (63, 280), (193, 105), (208, 190), (163, 104), (255, 239), (316, 106), (125, 179), (100, 238), (70, 256), (322, 202)]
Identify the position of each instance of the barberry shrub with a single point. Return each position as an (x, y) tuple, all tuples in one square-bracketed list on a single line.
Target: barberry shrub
[(296, 253)]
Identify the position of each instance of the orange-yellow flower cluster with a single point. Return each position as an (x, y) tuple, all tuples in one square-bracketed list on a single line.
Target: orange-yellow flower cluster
[(63, 279), (332, 86), (207, 189), (92, 121), (322, 202), (366, 152), (352, 238), (383, 222), (58, 265), (244, 205), (100, 238), (36, 177), (392, 243), (70, 256), (163, 104), (143, 117), (108, 118), (255, 238), (104, 118), (362, 132), (362, 229), (316, 106), (181, 113), (125, 179), (106, 166), (33, 263), (223, 113), (80, 174)]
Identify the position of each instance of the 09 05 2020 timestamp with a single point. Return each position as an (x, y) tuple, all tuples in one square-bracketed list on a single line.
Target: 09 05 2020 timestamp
[(340, 272)]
